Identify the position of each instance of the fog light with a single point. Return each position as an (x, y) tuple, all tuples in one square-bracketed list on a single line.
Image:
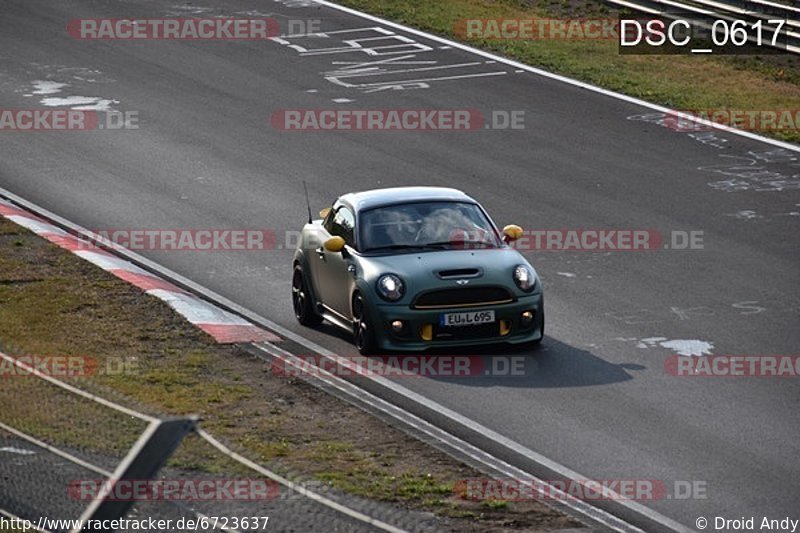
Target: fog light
[(505, 327), (527, 318), (426, 332), (397, 326)]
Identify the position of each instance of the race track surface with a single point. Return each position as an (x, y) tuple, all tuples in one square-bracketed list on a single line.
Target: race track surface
[(598, 399)]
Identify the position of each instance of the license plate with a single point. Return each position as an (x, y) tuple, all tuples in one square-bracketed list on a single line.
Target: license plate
[(469, 318)]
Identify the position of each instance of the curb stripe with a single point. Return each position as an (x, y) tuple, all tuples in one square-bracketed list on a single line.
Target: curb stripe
[(223, 326), (146, 282)]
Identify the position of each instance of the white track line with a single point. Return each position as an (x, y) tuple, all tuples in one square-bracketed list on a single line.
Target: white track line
[(544, 73), (74, 390), (56, 451), (361, 517)]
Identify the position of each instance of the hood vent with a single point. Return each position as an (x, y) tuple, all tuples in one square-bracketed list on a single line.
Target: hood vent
[(460, 273)]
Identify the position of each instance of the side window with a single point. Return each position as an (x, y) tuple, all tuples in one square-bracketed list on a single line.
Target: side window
[(343, 224)]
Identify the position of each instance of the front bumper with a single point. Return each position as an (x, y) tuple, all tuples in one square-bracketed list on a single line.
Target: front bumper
[(422, 330)]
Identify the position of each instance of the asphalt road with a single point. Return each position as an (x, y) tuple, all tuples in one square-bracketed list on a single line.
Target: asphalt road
[(598, 400)]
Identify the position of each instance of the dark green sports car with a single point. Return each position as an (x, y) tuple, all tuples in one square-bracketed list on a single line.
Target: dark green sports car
[(412, 268)]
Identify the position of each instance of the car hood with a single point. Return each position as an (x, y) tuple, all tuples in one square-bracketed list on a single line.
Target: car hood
[(420, 271)]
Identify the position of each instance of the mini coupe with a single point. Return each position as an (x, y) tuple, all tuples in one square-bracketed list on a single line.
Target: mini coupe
[(414, 268)]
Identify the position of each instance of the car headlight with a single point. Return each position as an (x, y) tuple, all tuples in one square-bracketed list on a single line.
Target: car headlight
[(524, 278), (391, 287)]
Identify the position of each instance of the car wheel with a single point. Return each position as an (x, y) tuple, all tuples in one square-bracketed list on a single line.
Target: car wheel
[(304, 310), (363, 332)]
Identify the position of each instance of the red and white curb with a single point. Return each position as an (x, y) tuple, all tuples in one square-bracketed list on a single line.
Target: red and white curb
[(224, 326)]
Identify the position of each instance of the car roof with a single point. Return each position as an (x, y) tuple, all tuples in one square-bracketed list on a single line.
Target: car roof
[(361, 201)]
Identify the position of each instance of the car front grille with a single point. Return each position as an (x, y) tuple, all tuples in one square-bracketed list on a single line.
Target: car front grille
[(462, 297)]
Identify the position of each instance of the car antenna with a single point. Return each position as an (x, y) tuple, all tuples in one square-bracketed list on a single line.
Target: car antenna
[(308, 203)]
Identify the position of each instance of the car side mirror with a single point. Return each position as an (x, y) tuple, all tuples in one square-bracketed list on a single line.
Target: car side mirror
[(334, 244), (512, 232), (324, 212)]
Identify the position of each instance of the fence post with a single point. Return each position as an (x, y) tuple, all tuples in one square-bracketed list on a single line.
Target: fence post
[(143, 461)]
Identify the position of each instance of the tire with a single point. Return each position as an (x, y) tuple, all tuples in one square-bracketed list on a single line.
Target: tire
[(363, 330), (302, 302)]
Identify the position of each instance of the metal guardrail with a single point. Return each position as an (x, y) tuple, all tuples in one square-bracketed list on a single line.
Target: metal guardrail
[(765, 6), (751, 11)]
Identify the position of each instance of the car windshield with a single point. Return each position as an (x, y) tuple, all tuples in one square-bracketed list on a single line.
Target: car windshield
[(426, 225)]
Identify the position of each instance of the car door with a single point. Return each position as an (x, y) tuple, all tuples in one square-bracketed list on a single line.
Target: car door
[(331, 272), (314, 253)]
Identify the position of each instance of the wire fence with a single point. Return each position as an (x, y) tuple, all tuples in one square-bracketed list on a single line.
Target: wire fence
[(61, 447)]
